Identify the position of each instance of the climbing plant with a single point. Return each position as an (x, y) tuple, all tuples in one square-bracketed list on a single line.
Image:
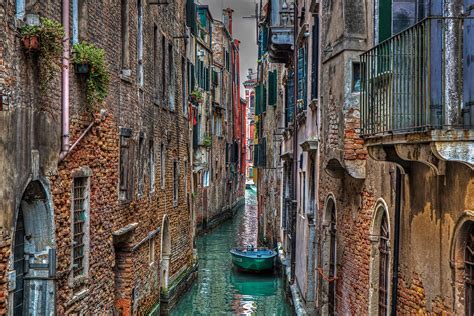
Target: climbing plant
[(98, 78)]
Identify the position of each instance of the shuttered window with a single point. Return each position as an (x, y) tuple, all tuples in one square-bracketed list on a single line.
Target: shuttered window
[(272, 87), (261, 99), (385, 19), (315, 59), (290, 99), (302, 75)]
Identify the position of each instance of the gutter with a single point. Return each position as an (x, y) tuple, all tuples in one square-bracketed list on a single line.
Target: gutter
[(65, 83)]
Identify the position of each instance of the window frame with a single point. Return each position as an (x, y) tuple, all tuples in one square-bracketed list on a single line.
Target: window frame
[(84, 174)]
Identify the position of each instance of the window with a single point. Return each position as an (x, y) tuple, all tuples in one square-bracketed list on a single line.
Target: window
[(315, 58), (290, 99), (469, 271), (140, 165), (151, 250), (162, 165), (184, 86), (140, 43), (80, 205), (175, 182), (155, 61), (332, 263), (151, 165), (272, 87), (79, 20), (20, 9), (125, 172), (356, 77), (163, 68), (384, 246), (205, 178), (379, 295), (395, 16), (302, 75), (125, 36), (171, 81)]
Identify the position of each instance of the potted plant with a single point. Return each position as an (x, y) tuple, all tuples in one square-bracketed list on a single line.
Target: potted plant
[(90, 60), (207, 141), (30, 37), (46, 38), (196, 96)]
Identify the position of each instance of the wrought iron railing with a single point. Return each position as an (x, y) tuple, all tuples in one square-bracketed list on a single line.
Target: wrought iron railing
[(414, 81)]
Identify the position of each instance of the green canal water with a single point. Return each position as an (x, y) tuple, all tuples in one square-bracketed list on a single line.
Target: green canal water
[(220, 288)]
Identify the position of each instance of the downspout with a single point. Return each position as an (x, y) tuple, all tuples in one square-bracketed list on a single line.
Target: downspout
[(65, 82), (396, 242), (295, 143)]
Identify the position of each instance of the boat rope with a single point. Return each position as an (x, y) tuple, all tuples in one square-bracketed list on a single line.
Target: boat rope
[(326, 277)]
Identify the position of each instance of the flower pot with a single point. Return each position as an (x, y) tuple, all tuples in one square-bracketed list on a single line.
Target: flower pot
[(31, 43), (82, 69)]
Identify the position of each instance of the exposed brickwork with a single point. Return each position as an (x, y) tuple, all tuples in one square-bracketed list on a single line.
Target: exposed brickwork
[(132, 284)]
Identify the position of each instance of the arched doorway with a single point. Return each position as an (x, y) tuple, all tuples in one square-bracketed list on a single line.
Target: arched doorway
[(328, 268), (165, 253), (34, 256)]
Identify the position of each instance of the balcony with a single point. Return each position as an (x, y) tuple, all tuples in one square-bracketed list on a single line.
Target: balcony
[(418, 94), (281, 37)]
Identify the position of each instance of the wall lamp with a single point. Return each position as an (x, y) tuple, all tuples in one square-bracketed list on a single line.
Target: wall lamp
[(5, 99)]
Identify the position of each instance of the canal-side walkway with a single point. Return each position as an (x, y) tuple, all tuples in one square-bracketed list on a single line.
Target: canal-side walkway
[(222, 290)]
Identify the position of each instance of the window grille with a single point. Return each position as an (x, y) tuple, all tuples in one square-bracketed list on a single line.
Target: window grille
[(469, 272), (332, 264), (383, 266), (79, 225)]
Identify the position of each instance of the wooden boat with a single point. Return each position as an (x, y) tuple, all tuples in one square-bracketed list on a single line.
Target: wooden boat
[(253, 259)]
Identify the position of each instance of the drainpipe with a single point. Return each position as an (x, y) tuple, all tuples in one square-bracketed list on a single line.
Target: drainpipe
[(396, 242), (295, 143), (65, 82)]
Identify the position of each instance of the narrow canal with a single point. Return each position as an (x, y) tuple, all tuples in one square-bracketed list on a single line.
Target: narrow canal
[(220, 288)]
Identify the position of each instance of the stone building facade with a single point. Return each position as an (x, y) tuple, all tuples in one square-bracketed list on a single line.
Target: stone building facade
[(218, 184), (389, 199), (100, 223)]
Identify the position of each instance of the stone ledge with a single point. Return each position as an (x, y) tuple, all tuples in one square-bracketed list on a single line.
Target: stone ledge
[(177, 289)]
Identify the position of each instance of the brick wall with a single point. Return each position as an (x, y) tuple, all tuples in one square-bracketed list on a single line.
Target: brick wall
[(127, 105)]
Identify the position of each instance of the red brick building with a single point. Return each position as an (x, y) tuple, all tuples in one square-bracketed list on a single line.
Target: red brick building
[(95, 213)]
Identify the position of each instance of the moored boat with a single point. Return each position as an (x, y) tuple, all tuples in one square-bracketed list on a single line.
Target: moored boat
[(250, 259)]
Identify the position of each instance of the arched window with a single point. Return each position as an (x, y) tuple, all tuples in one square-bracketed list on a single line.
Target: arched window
[(380, 262), (332, 263), (327, 283), (384, 253), (469, 271)]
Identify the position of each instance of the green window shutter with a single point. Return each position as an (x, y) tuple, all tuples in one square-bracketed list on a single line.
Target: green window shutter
[(272, 87), (385, 20), (258, 105), (264, 98)]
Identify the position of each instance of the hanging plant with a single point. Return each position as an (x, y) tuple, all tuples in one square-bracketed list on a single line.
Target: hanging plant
[(47, 39), (90, 60)]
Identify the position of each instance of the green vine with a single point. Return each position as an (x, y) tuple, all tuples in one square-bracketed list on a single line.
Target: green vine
[(50, 35), (98, 77)]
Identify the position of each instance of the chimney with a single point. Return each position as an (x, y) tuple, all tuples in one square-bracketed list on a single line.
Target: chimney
[(228, 19)]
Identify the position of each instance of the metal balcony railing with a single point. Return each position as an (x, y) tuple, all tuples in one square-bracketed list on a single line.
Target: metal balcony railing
[(419, 80)]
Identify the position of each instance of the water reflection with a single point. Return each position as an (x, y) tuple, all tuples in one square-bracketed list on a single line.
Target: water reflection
[(220, 288)]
